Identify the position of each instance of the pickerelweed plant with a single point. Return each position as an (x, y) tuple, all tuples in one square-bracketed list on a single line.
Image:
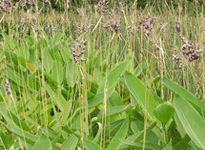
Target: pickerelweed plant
[(189, 50), (78, 51)]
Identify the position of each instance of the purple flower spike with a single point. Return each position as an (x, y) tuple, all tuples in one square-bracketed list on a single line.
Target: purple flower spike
[(8, 89), (78, 50), (147, 25), (178, 26), (152, 20), (148, 34)]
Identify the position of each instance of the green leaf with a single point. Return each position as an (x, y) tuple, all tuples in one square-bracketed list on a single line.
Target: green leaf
[(182, 92), (91, 145), (138, 135), (15, 77), (164, 112), (139, 69), (115, 99), (113, 127), (97, 75), (179, 125), (113, 77), (43, 143), (148, 146), (121, 134), (71, 73), (47, 59), (11, 118), (22, 133), (57, 71), (98, 98), (70, 143), (114, 111), (168, 146), (9, 41), (56, 39), (24, 52), (192, 122), (57, 98), (67, 108), (32, 82), (140, 92)]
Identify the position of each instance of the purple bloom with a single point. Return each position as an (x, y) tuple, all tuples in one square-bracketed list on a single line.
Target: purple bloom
[(194, 56), (116, 27), (152, 20), (147, 25), (8, 89), (78, 50), (148, 34), (178, 26)]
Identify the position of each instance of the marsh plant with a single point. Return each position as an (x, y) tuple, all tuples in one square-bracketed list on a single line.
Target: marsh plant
[(102, 76)]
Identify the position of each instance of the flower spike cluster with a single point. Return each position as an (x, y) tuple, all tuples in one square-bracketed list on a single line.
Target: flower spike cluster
[(147, 25), (188, 49), (77, 50)]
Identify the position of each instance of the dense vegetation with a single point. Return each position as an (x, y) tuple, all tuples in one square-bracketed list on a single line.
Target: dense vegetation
[(101, 75)]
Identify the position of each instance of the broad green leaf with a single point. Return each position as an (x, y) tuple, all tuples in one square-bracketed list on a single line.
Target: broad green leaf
[(54, 147), (98, 98), (113, 127), (70, 143), (67, 108), (97, 75), (113, 77), (57, 71), (140, 92), (179, 125), (6, 139), (115, 99), (114, 111), (69, 131), (168, 146), (138, 127), (66, 54), (148, 146), (22, 133), (47, 59), (89, 145), (32, 82), (56, 39), (121, 134), (192, 122), (139, 69), (14, 76), (138, 136), (9, 41), (182, 92), (71, 73), (183, 143), (56, 97), (49, 78), (164, 112), (24, 52), (43, 143), (11, 118)]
